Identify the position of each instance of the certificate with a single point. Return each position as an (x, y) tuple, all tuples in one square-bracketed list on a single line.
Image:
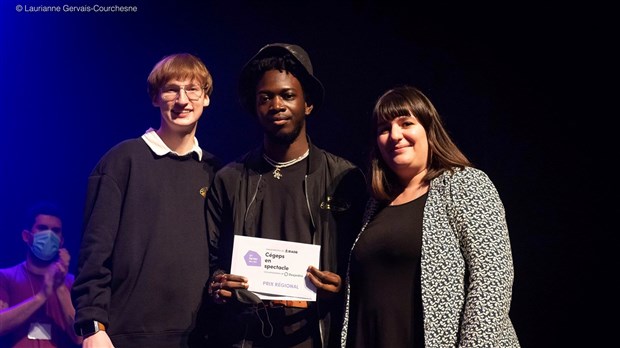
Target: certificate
[(275, 269)]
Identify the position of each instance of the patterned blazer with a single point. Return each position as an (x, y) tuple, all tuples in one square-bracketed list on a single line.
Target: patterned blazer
[(466, 266)]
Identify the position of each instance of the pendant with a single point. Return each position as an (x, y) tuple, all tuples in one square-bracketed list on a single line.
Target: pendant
[(277, 174)]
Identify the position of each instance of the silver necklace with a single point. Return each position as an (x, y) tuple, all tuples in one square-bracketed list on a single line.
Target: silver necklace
[(278, 165)]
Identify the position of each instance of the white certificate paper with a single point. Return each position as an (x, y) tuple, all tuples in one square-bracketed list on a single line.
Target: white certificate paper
[(275, 269)]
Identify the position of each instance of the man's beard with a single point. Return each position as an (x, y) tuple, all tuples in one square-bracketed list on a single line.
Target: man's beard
[(285, 138)]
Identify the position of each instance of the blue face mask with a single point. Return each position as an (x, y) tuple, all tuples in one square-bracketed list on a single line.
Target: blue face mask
[(45, 245)]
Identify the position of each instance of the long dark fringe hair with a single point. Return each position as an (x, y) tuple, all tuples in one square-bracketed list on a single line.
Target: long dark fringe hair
[(443, 153)]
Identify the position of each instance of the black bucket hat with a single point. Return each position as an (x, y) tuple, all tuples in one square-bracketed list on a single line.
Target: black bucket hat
[(312, 86)]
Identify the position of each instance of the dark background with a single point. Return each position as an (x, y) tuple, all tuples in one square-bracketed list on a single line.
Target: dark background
[(522, 88)]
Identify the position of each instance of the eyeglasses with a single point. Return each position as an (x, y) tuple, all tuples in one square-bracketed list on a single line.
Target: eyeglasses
[(172, 92)]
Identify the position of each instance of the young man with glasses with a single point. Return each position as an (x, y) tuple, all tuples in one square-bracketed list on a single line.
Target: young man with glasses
[(143, 260)]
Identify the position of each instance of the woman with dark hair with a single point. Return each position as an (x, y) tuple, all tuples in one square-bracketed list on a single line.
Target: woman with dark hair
[(432, 265)]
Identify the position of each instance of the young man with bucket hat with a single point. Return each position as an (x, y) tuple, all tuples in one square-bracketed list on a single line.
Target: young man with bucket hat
[(286, 189)]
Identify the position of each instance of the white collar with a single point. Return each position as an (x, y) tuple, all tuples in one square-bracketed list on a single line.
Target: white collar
[(160, 148)]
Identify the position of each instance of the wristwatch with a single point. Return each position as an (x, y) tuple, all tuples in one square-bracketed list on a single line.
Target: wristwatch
[(88, 328)]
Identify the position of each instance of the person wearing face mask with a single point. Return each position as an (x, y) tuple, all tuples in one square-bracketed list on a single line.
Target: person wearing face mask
[(35, 301)]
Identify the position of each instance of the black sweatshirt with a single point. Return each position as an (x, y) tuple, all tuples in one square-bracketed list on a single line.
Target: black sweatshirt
[(143, 260)]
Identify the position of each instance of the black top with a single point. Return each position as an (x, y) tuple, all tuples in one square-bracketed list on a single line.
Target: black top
[(385, 279), (283, 212), (285, 208), (143, 260)]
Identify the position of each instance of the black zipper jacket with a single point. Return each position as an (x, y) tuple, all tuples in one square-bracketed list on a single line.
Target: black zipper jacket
[(335, 192)]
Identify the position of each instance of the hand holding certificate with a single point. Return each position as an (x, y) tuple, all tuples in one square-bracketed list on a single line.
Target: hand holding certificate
[(275, 269)]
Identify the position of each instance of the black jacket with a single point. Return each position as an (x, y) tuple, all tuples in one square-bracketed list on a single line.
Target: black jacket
[(335, 193)]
